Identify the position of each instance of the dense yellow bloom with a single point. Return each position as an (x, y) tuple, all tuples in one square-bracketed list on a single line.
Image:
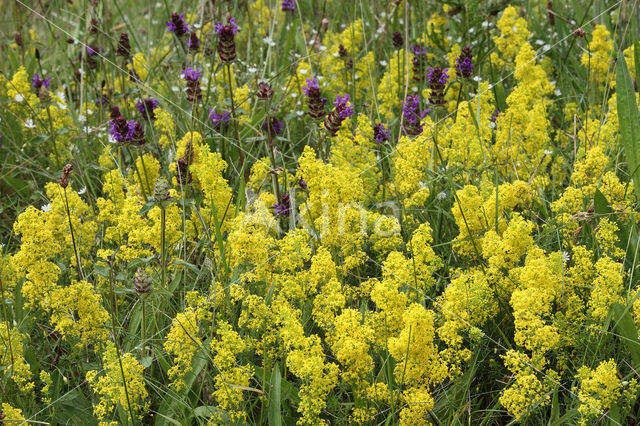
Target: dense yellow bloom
[(599, 55), (76, 312), (600, 389), (12, 357), (411, 162), (514, 32), (11, 413), (117, 389), (232, 377), (182, 342), (607, 288)]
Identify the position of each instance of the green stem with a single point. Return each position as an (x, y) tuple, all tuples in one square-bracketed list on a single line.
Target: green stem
[(163, 247), (235, 119), (73, 238)]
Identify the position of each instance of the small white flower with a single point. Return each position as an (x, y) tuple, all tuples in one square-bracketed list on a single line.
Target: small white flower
[(441, 195), (19, 98), (300, 112), (539, 42), (548, 152), (252, 69), (565, 256), (83, 190), (28, 123), (557, 92), (175, 88), (111, 139), (414, 89), (197, 26), (60, 94), (335, 54), (294, 95), (82, 118), (154, 21), (477, 78), (383, 63), (90, 111), (546, 47), (269, 41), (323, 48), (492, 125), (62, 106), (46, 207), (304, 71)]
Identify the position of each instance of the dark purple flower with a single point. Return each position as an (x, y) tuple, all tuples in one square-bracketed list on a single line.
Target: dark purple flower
[(126, 131), (226, 41), (272, 126), (177, 25), (338, 115), (146, 107), (124, 47), (302, 183), (38, 83), (397, 40), (288, 5), (92, 52), (316, 100), (119, 128), (264, 91), (219, 121), (230, 27), (115, 112), (438, 78), (192, 78), (464, 64), (412, 115), (193, 42), (419, 62), (380, 134), (283, 207)]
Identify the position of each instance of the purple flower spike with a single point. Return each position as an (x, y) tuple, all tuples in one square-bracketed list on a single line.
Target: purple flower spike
[(190, 74), (38, 83), (438, 79), (146, 107), (283, 207), (380, 134), (226, 40), (177, 25), (338, 115), (464, 64), (230, 27), (412, 115), (288, 5), (219, 121), (273, 126), (311, 85)]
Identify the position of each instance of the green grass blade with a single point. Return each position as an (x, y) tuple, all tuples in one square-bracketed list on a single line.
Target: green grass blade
[(629, 118)]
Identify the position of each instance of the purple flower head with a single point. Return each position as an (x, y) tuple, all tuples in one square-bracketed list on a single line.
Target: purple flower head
[(418, 50), (344, 109), (283, 207), (177, 25), (38, 83), (495, 115), (273, 126), (380, 134), (93, 50), (438, 75), (230, 28), (464, 64), (190, 74), (288, 5), (146, 107), (412, 115), (311, 85), (119, 128), (302, 183), (219, 121), (193, 42)]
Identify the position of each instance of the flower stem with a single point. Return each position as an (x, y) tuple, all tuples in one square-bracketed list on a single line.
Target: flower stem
[(73, 238)]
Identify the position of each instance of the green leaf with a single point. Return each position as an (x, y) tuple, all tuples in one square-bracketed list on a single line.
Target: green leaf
[(636, 58), (600, 204), (629, 119), (628, 332), (275, 410)]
